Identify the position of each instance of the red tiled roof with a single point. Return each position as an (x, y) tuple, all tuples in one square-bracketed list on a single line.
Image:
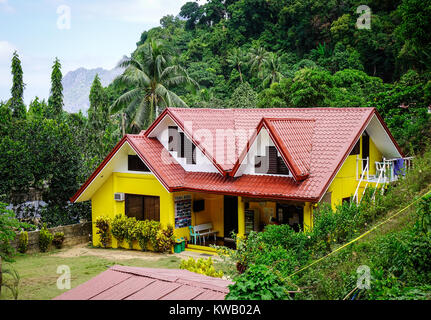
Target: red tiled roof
[(314, 141), (132, 283), (295, 137)]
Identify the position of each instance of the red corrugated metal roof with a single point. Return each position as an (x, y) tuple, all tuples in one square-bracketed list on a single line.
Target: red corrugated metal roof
[(132, 283), (315, 142)]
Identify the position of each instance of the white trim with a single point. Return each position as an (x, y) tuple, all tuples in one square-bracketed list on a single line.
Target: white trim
[(101, 170), (151, 133), (131, 172)]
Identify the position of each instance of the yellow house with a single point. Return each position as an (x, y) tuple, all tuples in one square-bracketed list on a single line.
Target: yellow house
[(223, 171)]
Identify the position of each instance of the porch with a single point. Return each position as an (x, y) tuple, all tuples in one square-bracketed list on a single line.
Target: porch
[(212, 219), (384, 171), (379, 173)]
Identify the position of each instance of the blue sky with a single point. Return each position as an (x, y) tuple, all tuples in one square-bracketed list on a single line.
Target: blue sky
[(100, 33)]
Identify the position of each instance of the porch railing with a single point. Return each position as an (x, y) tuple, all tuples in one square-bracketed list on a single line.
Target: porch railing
[(386, 172)]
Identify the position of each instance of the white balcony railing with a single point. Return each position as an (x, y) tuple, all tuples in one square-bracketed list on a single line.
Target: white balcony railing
[(385, 171)]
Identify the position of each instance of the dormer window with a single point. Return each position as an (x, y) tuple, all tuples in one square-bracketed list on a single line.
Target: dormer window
[(179, 143), (136, 164), (271, 163), (173, 138)]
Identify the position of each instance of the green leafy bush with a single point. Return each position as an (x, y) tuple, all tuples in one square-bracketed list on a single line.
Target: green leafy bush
[(143, 233), (202, 266), (102, 226), (23, 242), (258, 283), (45, 238), (8, 227), (10, 280), (58, 240), (165, 239), (119, 228), (153, 229), (131, 231)]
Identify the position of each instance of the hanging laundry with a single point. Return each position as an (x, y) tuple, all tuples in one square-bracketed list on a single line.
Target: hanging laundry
[(399, 167)]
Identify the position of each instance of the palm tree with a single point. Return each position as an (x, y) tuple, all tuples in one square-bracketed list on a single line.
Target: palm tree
[(236, 59), (272, 67), (150, 74), (257, 58)]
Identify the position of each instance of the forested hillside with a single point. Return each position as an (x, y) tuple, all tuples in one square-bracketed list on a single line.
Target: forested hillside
[(285, 53)]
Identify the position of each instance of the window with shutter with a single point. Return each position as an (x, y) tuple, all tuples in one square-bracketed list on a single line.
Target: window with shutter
[(142, 207), (173, 138), (273, 160), (271, 163)]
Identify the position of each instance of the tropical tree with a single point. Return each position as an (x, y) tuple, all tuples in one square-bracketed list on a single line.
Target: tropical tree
[(98, 113), (257, 58), (55, 100), (150, 74), (17, 101), (235, 59), (272, 70)]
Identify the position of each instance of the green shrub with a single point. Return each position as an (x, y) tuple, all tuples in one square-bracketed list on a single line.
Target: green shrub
[(165, 239), (202, 266), (153, 229), (102, 226), (10, 280), (45, 238), (258, 283), (8, 227), (131, 231), (119, 228), (58, 239), (23, 242), (143, 233)]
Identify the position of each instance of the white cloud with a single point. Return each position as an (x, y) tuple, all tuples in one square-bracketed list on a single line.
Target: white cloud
[(6, 7), (6, 52), (134, 11)]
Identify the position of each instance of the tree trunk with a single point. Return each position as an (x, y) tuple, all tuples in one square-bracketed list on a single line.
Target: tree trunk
[(123, 123), (240, 74), (151, 109)]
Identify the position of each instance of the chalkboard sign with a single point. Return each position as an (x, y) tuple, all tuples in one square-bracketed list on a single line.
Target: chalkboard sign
[(183, 211)]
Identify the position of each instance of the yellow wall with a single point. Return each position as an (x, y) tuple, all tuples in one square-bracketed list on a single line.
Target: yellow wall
[(344, 185), (103, 202), (213, 212)]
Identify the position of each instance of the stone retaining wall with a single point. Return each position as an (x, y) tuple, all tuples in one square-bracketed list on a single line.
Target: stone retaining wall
[(73, 234)]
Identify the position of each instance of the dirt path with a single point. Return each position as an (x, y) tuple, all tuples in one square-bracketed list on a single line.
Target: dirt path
[(113, 254), (123, 254)]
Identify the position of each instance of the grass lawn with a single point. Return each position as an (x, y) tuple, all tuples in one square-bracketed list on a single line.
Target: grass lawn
[(38, 272)]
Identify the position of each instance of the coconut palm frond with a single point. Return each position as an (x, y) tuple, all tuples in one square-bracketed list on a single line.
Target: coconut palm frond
[(138, 121), (170, 98), (125, 99)]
